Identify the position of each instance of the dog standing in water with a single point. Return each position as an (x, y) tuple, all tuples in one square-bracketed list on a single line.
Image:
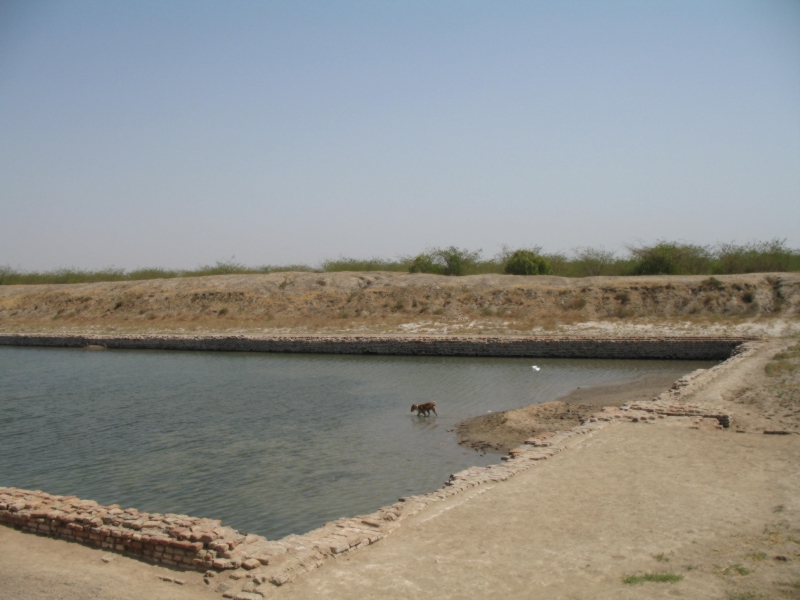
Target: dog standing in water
[(424, 409)]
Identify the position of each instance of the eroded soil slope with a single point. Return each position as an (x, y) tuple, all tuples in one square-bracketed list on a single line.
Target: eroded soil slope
[(369, 301)]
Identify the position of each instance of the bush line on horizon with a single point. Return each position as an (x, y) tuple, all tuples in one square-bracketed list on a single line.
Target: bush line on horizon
[(661, 258)]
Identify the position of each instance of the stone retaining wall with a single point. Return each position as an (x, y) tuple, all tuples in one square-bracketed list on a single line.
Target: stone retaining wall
[(686, 348)]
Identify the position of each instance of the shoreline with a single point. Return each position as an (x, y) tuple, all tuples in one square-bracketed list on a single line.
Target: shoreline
[(502, 431), (655, 347), (724, 406), (179, 541)]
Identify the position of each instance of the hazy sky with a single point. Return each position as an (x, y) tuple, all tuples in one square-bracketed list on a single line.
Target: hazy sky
[(180, 133)]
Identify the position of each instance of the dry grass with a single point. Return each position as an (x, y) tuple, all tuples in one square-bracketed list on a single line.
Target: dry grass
[(381, 302)]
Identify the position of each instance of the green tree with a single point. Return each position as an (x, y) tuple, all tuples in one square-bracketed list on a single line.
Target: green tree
[(525, 262), (591, 262), (446, 261), (671, 258), (424, 263)]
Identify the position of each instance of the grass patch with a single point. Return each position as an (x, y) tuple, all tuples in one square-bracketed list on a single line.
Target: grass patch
[(759, 556), (790, 352), (736, 569), (780, 367), (743, 596), (623, 297), (661, 557), (712, 283), (368, 264), (652, 577), (576, 303)]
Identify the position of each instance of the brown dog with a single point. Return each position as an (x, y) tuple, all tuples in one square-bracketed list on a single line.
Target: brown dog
[(424, 409)]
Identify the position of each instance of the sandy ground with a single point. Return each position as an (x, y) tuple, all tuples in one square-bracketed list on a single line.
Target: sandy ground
[(383, 302), (508, 429), (577, 525), (37, 567), (719, 509)]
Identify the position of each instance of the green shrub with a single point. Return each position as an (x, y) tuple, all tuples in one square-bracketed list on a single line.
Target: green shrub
[(525, 262), (661, 258), (457, 261), (367, 264), (423, 263), (756, 257), (652, 577), (671, 258), (446, 261), (656, 261), (591, 262)]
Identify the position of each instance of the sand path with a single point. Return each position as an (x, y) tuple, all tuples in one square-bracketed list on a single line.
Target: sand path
[(33, 567), (578, 524)]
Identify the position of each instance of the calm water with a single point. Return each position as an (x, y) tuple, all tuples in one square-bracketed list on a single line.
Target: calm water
[(269, 443)]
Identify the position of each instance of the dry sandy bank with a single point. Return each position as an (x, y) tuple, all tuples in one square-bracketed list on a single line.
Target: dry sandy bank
[(381, 302), (499, 432), (706, 503)]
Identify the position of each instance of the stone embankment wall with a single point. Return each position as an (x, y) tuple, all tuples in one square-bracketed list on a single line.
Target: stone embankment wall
[(686, 348)]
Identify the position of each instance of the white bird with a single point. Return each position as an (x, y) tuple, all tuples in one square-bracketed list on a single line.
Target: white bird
[(535, 368)]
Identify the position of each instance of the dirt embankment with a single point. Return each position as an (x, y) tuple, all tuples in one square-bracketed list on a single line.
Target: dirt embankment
[(369, 301)]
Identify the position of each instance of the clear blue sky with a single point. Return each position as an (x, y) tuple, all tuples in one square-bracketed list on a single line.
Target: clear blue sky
[(176, 133)]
